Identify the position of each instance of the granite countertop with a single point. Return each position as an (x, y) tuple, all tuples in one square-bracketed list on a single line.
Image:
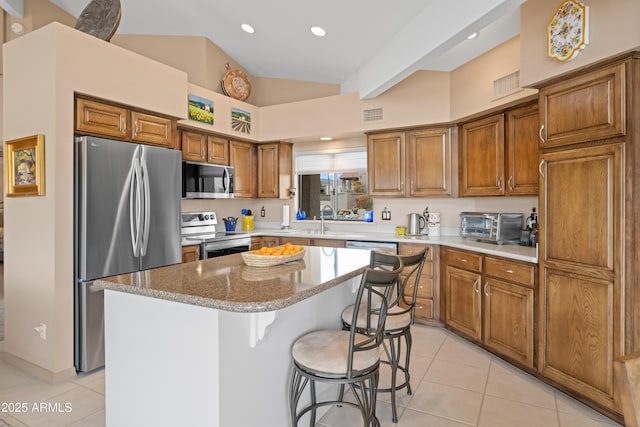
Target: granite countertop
[(515, 252), (226, 283)]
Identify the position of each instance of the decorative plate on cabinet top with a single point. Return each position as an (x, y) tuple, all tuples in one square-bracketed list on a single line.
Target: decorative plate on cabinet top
[(236, 84), (100, 18), (568, 30)]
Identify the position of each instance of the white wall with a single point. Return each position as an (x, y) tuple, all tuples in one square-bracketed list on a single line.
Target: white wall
[(41, 72)]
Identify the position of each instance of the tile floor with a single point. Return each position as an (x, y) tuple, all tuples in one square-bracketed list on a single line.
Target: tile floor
[(455, 384)]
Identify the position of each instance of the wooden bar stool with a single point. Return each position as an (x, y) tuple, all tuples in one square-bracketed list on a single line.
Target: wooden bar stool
[(345, 357), (400, 317)]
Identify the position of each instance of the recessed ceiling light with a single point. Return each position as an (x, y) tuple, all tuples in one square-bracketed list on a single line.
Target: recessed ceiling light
[(318, 31), (248, 28), (472, 36), (325, 138)]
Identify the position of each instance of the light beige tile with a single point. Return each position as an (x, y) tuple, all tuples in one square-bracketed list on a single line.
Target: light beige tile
[(509, 382), (468, 377), (36, 391), (8, 420), (96, 419), (427, 340), (82, 403), (96, 384), (418, 367), (411, 418), (571, 420), (84, 378), (458, 350), (498, 412), (448, 402), (340, 416), (571, 406)]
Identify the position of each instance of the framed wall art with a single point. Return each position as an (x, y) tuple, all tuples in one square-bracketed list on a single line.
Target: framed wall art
[(200, 109), (25, 166)]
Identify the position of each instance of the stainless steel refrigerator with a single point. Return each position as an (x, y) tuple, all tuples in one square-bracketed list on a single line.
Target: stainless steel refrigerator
[(127, 219)]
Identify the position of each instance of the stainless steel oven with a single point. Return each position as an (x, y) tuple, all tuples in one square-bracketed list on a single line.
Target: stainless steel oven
[(200, 228)]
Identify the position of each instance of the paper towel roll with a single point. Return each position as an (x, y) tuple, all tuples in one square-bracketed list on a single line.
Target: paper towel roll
[(285, 215)]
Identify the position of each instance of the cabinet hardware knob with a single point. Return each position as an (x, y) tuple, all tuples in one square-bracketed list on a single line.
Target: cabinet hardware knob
[(499, 183), (462, 260), (486, 292), (510, 182), (123, 124), (540, 168), (476, 288), (540, 134), (509, 271)]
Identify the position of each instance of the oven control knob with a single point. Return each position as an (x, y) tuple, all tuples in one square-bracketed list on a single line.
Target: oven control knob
[(206, 217)]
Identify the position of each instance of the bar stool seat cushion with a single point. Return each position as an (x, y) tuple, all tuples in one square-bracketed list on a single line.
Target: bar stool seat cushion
[(326, 352), (396, 319)]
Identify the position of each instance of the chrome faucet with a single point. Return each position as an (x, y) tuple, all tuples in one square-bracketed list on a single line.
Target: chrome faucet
[(325, 207)]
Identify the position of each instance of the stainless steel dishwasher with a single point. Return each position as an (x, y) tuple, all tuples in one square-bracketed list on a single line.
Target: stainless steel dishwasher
[(386, 247)]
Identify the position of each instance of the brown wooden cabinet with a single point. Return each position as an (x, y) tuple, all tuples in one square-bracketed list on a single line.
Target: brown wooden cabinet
[(204, 148), (243, 157), (482, 157), (101, 118), (190, 253), (586, 107), (98, 118), (256, 243), (427, 310), (386, 164), (499, 154), (522, 156), (275, 170), (491, 301), (194, 145), (152, 129), (329, 243), (462, 283), (428, 162), (508, 309), (270, 241), (581, 210), (217, 150), (415, 163)]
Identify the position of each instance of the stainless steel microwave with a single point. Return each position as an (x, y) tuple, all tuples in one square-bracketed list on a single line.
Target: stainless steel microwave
[(206, 181), (491, 227)]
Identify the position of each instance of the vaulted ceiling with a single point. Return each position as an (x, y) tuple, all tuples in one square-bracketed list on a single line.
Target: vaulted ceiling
[(369, 46)]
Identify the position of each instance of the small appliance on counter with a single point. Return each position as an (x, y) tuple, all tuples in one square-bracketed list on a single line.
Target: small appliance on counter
[(416, 224), (500, 228)]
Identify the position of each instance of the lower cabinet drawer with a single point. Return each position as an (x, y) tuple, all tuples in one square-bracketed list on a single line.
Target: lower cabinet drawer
[(424, 309), (510, 270), (465, 260), (425, 288)]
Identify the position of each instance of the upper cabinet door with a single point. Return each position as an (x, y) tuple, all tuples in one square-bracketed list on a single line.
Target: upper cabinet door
[(102, 119), (587, 108), (385, 164), (194, 146), (217, 150), (482, 157), (243, 158), (151, 129), (429, 162), (522, 151), (268, 170)]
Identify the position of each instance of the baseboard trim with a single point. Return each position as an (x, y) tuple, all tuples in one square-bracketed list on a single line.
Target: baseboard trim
[(38, 371)]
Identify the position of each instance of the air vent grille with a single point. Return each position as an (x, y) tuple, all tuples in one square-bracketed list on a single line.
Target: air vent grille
[(506, 85), (372, 115)]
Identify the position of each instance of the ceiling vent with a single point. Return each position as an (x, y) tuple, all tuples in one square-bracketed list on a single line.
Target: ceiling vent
[(506, 85), (372, 115)]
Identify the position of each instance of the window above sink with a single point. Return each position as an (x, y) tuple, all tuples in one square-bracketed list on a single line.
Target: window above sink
[(333, 185)]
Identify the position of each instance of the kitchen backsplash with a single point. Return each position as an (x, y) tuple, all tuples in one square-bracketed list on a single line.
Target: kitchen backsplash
[(449, 209)]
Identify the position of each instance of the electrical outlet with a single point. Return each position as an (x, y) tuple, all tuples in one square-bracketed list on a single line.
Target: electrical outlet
[(42, 330)]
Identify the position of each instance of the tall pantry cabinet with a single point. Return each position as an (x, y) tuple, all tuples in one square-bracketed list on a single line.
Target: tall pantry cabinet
[(589, 205)]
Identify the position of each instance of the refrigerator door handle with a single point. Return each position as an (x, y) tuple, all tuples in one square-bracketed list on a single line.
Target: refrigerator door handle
[(146, 193), (136, 206)]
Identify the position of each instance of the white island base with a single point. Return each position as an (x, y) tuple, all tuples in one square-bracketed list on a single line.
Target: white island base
[(175, 364)]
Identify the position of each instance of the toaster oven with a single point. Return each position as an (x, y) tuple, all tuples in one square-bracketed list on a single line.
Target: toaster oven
[(497, 228)]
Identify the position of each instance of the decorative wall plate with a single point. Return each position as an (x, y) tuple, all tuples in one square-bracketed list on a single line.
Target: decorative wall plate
[(568, 30), (236, 84), (100, 18)]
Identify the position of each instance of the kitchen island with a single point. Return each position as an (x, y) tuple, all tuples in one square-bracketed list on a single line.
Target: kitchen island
[(208, 342)]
